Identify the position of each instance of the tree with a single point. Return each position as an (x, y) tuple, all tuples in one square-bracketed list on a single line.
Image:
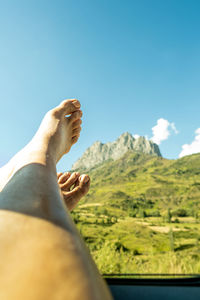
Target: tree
[(142, 213), (169, 215)]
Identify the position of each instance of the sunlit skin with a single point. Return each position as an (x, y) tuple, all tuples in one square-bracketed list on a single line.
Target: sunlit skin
[(73, 187), (42, 254)]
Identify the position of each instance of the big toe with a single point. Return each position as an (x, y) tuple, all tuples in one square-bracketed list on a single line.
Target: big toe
[(84, 179), (82, 186), (66, 107)]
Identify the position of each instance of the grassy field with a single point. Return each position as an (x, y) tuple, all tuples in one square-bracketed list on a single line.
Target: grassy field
[(142, 215), (141, 245)]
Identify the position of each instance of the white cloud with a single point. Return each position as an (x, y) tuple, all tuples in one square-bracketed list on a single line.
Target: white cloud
[(162, 130), (194, 147), (136, 136), (174, 128)]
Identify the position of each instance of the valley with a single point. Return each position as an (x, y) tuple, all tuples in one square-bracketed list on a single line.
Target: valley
[(142, 215)]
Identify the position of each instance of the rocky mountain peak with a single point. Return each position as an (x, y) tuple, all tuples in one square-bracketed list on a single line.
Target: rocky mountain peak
[(125, 138), (100, 152)]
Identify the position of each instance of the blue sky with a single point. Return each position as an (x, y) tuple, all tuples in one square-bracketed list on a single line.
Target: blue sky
[(130, 63)]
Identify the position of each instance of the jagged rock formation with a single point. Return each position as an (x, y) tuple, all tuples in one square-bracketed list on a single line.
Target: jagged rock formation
[(100, 152)]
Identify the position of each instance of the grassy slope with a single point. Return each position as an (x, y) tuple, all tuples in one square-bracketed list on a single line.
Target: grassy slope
[(141, 215)]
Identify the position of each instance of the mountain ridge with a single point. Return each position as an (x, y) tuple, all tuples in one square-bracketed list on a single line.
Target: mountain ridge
[(100, 152), (139, 178)]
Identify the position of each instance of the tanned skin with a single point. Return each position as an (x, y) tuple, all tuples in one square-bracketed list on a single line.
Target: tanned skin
[(42, 254)]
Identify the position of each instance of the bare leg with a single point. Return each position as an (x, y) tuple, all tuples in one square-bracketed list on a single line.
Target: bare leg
[(42, 254)]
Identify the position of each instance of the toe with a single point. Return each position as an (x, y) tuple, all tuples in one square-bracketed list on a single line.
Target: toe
[(75, 116), (76, 124), (70, 105), (70, 181), (66, 107), (75, 139), (84, 178), (62, 179), (76, 131), (59, 175), (84, 183)]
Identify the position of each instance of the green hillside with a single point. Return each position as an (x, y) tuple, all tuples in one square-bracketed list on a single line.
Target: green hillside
[(142, 215)]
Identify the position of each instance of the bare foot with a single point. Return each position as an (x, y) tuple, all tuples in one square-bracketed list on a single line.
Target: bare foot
[(59, 130), (73, 187)]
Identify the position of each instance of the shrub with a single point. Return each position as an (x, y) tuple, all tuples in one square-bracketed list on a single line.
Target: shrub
[(154, 213), (180, 212), (132, 214), (136, 252), (142, 214), (176, 221), (120, 247)]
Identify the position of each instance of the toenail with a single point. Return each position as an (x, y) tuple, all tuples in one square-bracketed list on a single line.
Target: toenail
[(76, 103), (84, 179)]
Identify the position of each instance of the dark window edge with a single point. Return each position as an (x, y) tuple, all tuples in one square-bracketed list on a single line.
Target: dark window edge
[(185, 280)]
